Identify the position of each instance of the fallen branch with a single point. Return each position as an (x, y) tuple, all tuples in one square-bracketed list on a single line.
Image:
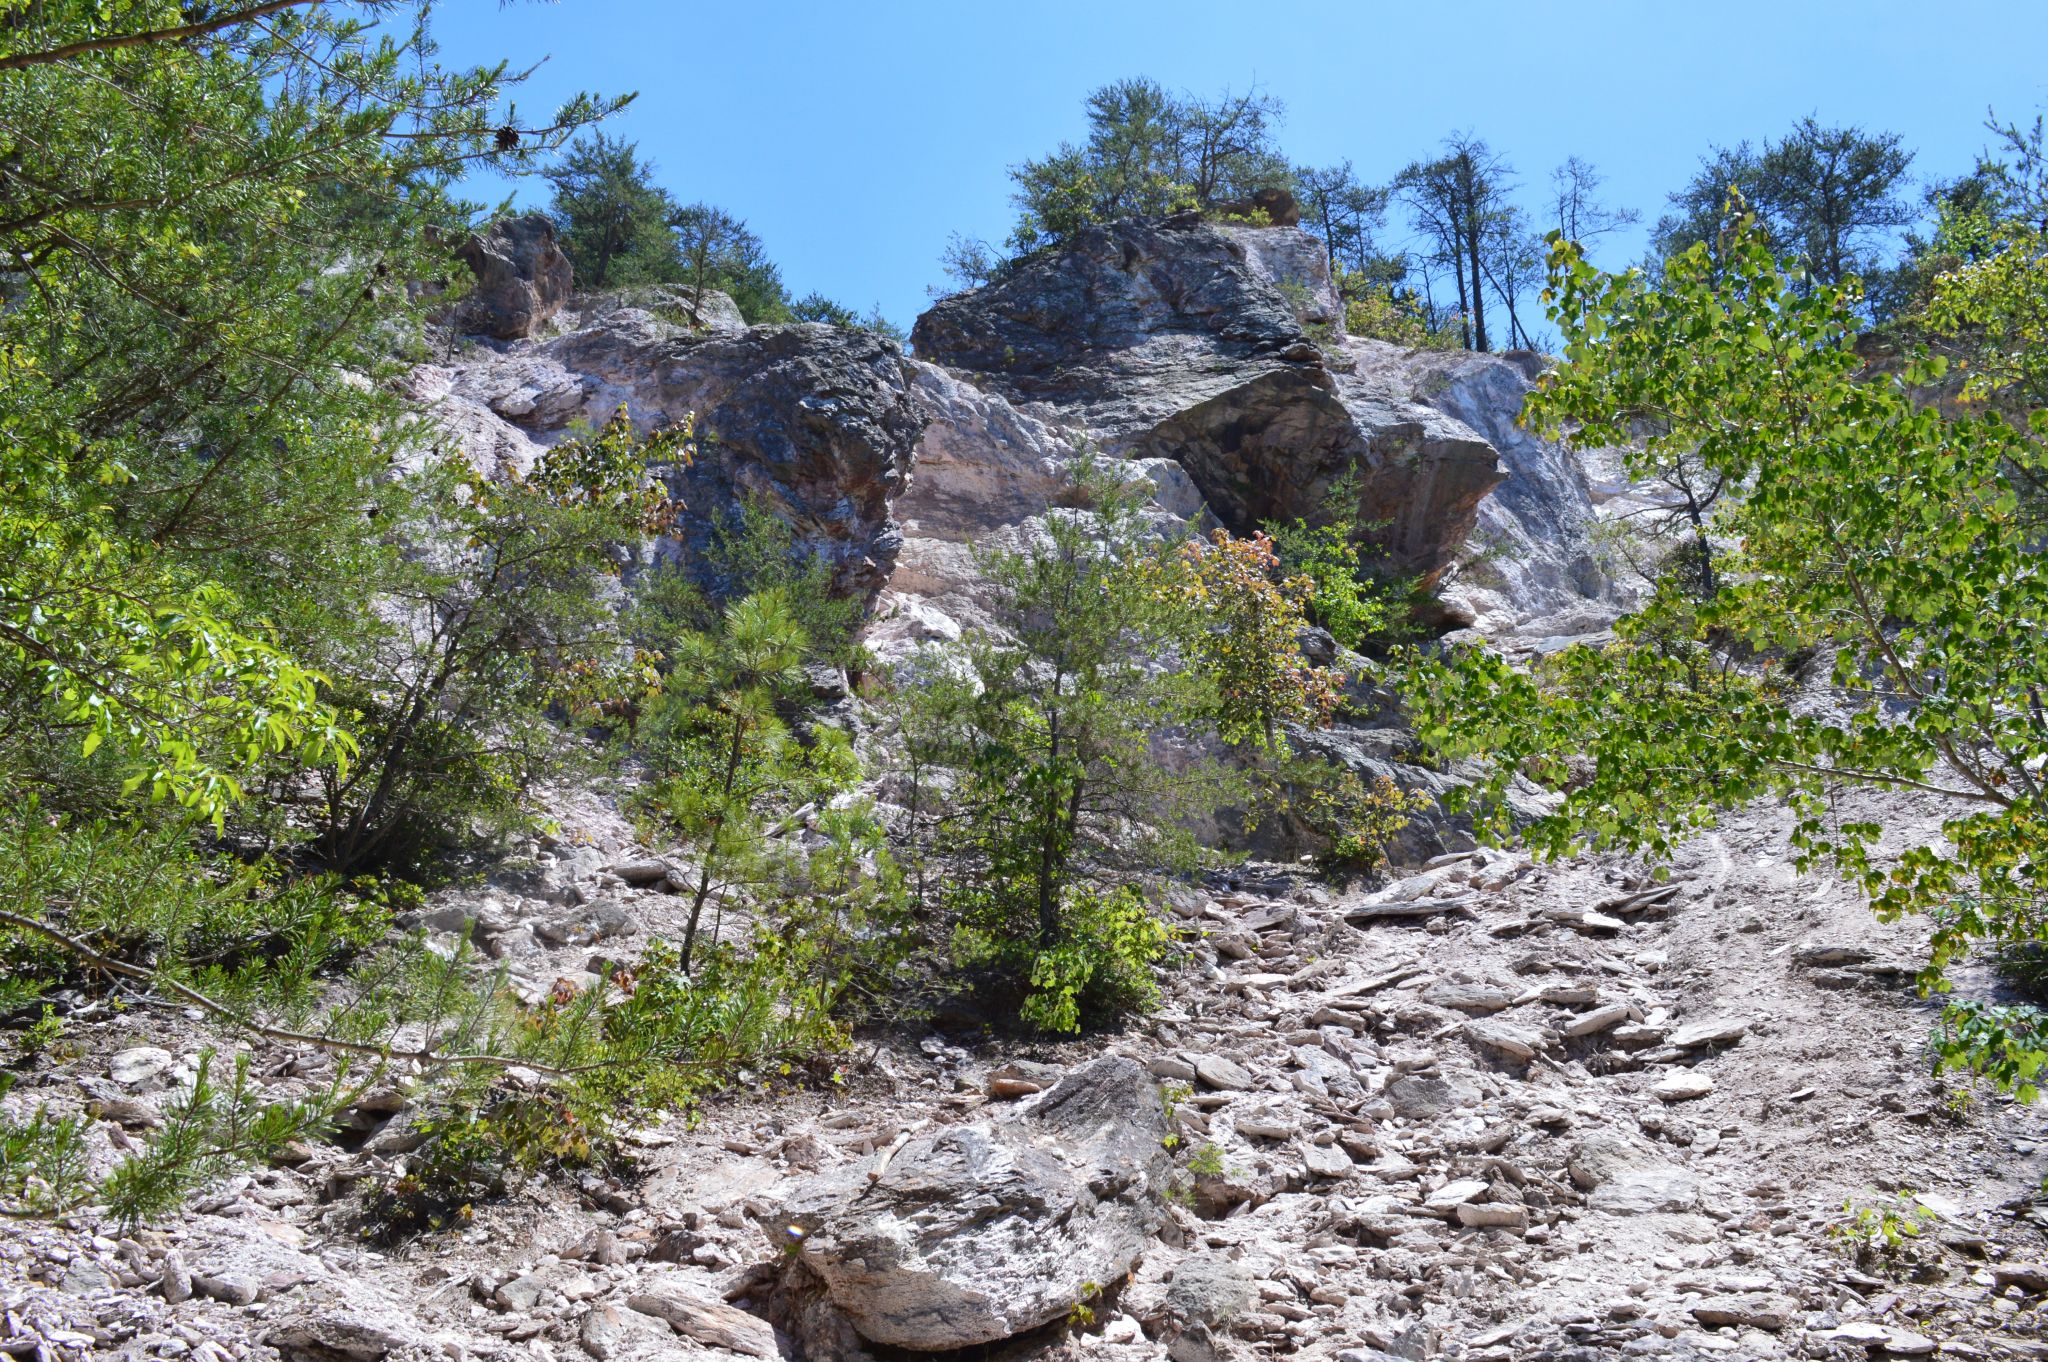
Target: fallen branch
[(425, 1058)]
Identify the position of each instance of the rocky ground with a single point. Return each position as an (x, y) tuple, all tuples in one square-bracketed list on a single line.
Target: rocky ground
[(1494, 1110)]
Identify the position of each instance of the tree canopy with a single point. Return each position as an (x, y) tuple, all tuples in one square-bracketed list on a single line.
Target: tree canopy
[(1823, 196)]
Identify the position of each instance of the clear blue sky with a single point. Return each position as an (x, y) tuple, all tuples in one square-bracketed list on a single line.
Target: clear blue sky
[(853, 137)]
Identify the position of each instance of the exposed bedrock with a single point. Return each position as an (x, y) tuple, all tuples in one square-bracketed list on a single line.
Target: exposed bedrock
[(1176, 339)]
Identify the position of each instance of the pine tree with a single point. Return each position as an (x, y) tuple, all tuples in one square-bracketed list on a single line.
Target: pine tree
[(613, 220)]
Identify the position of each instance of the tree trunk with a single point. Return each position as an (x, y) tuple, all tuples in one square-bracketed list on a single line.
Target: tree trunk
[(1458, 272), (604, 256), (703, 892), (1478, 293)]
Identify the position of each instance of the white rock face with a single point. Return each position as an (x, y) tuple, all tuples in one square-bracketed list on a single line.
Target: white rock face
[(985, 475), (1295, 263), (1531, 559)]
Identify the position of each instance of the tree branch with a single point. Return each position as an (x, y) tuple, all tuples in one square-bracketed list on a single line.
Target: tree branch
[(155, 35), (426, 1058)]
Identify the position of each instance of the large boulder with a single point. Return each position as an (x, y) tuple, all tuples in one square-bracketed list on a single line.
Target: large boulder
[(1176, 339), (975, 1233), (677, 304), (522, 277), (816, 424)]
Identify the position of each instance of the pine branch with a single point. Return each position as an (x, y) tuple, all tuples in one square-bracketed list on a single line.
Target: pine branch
[(50, 55)]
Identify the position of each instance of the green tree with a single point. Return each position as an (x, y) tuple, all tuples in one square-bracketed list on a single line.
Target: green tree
[(749, 551), (718, 251), (613, 220), (1347, 215), (1975, 284), (724, 755), (1057, 799), (1360, 609), (451, 686), (1460, 206), (1149, 152), (1578, 214), (1892, 543), (816, 307), (229, 552), (1825, 196), (189, 454), (969, 262)]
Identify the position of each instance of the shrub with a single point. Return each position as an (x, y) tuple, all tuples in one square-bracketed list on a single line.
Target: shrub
[(1244, 632), (1356, 820), (1100, 969), (1048, 727), (208, 1130), (452, 691), (472, 1156), (725, 757), (1882, 1233), (1363, 607)]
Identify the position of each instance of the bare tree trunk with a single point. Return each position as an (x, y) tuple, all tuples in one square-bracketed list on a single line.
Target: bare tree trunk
[(1472, 227), (1458, 273), (703, 892)]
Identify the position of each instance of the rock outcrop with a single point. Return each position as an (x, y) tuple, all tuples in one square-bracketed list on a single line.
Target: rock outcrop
[(1166, 340), (814, 423), (979, 1232), (1209, 357), (522, 277), (1531, 555)]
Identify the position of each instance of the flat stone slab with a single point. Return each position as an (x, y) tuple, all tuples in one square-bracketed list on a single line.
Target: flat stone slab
[(1225, 1075), (1721, 1031), (1687, 1085)]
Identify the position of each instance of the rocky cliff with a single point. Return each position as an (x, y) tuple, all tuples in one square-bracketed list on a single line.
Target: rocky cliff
[(1206, 357), (1205, 360), (1176, 340)]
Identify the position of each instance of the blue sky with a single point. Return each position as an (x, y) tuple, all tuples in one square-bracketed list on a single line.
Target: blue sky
[(854, 137)]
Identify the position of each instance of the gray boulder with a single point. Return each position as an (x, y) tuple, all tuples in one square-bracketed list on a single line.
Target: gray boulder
[(816, 424), (712, 310), (677, 305), (1626, 1179), (338, 1336), (976, 1233), (522, 277), (1179, 339)]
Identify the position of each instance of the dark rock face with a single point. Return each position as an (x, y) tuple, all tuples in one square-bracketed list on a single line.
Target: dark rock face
[(522, 277), (815, 423), (976, 1233), (1173, 339), (1278, 205), (1130, 323)]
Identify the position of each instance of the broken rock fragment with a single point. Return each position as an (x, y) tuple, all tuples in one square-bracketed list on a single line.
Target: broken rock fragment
[(974, 1233)]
